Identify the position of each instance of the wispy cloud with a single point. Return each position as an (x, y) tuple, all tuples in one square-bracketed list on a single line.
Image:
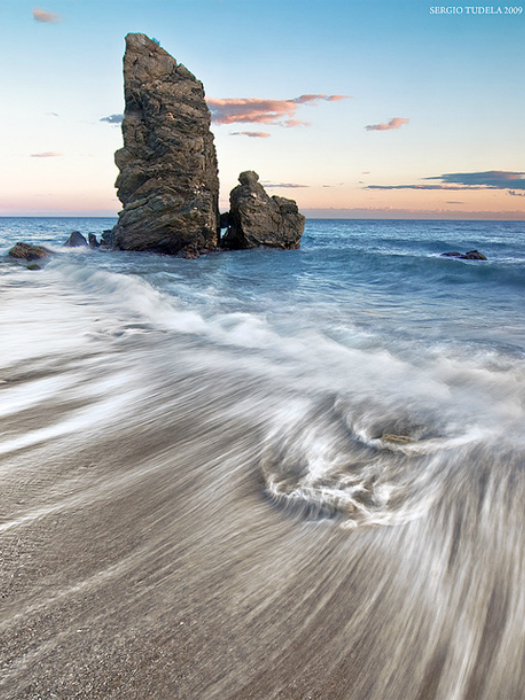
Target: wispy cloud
[(46, 154), (486, 180), (424, 187), (113, 119), (395, 123), (252, 134), (286, 185), (290, 123), (494, 179), (43, 16), (247, 110), (394, 213)]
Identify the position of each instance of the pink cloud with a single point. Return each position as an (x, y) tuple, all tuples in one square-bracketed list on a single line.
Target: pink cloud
[(394, 123), (290, 123), (253, 134), (247, 110), (46, 154), (42, 16)]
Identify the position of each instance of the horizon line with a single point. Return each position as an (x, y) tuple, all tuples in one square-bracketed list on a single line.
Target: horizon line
[(322, 214)]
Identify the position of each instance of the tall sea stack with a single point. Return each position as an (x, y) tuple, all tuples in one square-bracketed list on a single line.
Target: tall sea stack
[(168, 182)]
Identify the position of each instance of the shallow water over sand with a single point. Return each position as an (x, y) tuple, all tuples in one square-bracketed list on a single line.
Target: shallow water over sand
[(221, 484)]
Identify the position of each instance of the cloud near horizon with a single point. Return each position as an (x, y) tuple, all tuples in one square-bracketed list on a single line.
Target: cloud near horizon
[(286, 185), (43, 16), (247, 110), (449, 188), (395, 123), (46, 154), (486, 180), (252, 134), (492, 179)]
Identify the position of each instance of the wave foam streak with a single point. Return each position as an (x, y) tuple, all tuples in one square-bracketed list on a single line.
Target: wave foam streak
[(225, 507)]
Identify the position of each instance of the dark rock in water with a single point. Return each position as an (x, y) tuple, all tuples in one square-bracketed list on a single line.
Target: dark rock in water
[(470, 255), (92, 240), (189, 253), (75, 240), (397, 439), (26, 251), (256, 219), (473, 255), (224, 220), (168, 181), (34, 266), (105, 238)]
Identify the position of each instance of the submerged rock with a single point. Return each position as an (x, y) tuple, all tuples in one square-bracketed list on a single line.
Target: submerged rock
[(92, 240), (256, 219), (26, 251), (473, 255), (105, 238), (397, 439), (168, 181), (470, 255), (75, 240)]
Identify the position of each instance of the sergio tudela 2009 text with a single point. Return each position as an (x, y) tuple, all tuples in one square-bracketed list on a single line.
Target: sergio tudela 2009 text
[(472, 10)]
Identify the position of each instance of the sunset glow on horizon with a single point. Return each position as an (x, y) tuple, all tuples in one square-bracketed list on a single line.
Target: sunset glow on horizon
[(362, 109)]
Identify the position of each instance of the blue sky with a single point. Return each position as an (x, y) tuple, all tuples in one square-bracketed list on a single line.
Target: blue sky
[(431, 124)]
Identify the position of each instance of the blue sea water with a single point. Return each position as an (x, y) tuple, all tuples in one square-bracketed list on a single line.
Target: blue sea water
[(362, 396), (369, 308), (351, 280)]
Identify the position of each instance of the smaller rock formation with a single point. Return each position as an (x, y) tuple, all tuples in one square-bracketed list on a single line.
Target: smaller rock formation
[(256, 219), (75, 240), (92, 240), (105, 238), (470, 255), (26, 251)]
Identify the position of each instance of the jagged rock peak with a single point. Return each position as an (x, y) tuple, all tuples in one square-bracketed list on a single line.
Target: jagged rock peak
[(256, 219), (168, 181)]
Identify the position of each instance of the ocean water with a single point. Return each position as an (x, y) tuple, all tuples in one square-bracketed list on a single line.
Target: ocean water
[(265, 474)]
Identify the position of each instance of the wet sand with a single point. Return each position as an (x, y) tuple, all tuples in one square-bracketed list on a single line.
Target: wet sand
[(143, 558)]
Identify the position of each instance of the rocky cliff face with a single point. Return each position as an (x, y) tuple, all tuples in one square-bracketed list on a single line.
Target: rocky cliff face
[(168, 182), (256, 219)]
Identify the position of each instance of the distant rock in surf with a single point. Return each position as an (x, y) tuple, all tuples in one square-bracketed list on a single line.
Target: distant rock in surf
[(26, 251), (105, 238), (92, 241), (470, 255), (168, 181), (256, 219), (75, 240)]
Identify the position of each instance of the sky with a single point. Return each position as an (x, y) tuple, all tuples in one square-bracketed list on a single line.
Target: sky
[(355, 109)]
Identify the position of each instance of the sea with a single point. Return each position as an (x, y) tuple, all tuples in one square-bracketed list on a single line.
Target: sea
[(264, 474)]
